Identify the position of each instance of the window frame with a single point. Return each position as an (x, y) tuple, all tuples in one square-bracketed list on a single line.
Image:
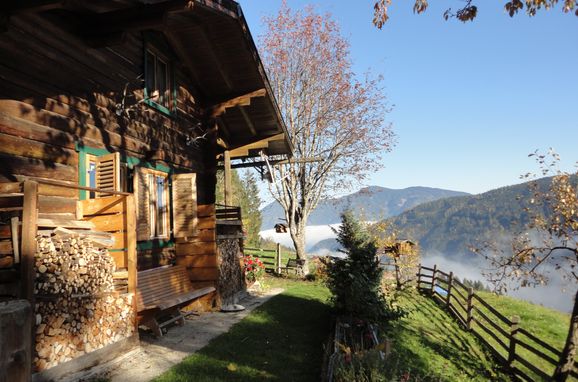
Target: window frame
[(159, 55), (152, 176)]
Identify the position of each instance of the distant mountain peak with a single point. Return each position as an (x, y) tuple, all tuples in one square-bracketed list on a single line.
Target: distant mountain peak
[(372, 203)]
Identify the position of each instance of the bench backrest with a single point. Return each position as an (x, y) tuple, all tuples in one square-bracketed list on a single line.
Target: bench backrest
[(292, 263), (158, 284)]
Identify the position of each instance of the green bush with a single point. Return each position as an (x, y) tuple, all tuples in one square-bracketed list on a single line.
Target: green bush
[(355, 281)]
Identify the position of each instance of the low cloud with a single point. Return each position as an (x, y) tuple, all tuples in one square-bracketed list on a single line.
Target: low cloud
[(558, 294)]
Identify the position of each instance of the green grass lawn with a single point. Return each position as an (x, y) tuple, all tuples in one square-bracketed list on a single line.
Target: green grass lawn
[(280, 341), (549, 325), (429, 345)]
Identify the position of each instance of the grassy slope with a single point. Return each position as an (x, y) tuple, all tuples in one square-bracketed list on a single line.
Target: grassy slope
[(282, 341), (547, 324), (431, 346)]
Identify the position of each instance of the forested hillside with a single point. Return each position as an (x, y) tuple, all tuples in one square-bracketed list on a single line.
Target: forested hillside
[(451, 226), (369, 203)]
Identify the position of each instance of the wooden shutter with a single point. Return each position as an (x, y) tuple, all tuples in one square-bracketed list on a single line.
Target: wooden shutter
[(108, 173), (142, 201), (184, 205)]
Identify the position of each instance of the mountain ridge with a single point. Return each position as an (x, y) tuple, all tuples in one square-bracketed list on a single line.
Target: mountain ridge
[(382, 202)]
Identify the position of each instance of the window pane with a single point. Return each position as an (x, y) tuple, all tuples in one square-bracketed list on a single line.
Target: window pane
[(162, 84), (92, 178), (161, 206), (152, 204), (150, 73)]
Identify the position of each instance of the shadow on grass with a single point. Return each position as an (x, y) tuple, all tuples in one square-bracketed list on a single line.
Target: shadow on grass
[(431, 344), (281, 341)]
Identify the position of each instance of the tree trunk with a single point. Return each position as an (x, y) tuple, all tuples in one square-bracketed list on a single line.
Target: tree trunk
[(569, 353), (298, 237)]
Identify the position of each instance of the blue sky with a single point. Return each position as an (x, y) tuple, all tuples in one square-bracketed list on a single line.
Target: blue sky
[(470, 100)]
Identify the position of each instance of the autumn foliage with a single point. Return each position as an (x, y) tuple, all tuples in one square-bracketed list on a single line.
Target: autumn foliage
[(468, 11), (334, 116)]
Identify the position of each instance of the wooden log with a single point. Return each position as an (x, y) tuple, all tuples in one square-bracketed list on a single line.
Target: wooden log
[(43, 151), (11, 188), (21, 168), (56, 204), (198, 261), (6, 262), (203, 274), (196, 248), (6, 248)]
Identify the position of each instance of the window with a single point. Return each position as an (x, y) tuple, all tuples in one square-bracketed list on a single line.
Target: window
[(158, 208), (104, 172), (151, 189), (159, 84)]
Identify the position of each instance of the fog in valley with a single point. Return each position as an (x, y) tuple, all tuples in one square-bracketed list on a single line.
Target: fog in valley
[(558, 294)]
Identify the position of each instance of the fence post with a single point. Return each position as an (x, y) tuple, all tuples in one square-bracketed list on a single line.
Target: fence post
[(418, 277), (514, 325), (278, 259), (470, 308), (450, 281), (433, 280)]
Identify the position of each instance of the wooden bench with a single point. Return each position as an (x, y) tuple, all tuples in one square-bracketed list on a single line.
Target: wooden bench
[(292, 265), (161, 292)]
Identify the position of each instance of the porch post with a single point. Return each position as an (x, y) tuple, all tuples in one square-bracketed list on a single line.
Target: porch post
[(227, 185)]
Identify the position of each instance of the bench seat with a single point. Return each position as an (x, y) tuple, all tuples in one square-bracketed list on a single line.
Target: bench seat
[(161, 292)]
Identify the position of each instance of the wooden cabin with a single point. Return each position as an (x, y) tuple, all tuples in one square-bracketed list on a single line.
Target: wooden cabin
[(135, 100)]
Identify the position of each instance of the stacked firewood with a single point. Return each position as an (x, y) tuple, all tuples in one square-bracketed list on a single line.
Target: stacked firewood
[(68, 328), (72, 266), (77, 309)]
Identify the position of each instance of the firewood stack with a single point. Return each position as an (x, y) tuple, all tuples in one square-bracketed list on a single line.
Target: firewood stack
[(72, 266), (77, 309)]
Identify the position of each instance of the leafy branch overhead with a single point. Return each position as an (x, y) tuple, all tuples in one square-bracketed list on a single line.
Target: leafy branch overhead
[(469, 11)]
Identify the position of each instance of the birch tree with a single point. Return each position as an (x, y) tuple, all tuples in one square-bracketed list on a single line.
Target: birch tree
[(336, 119)]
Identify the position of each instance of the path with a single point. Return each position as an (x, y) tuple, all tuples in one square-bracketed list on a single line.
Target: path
[(155, 356)]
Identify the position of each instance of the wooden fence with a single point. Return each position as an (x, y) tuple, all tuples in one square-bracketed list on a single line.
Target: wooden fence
[(514, 347), (271, 258)]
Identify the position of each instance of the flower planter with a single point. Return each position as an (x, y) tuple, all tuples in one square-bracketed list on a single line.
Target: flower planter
[(351, 338)]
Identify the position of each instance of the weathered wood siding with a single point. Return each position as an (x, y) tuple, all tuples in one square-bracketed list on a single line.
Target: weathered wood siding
[(57, 93)]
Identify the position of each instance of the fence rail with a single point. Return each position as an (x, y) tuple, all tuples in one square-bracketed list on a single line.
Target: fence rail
[(271, 258), (514, 347)]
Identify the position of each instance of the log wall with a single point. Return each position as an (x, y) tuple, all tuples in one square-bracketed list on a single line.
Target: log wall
[(200, 256), (57, 93)]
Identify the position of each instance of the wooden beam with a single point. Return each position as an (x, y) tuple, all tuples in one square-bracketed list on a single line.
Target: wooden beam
[(272, 162), (14, 228), (21, 6), (242, 100), (247, 120), (223, 131), (131, 251), (227, 185), (243, 151)]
